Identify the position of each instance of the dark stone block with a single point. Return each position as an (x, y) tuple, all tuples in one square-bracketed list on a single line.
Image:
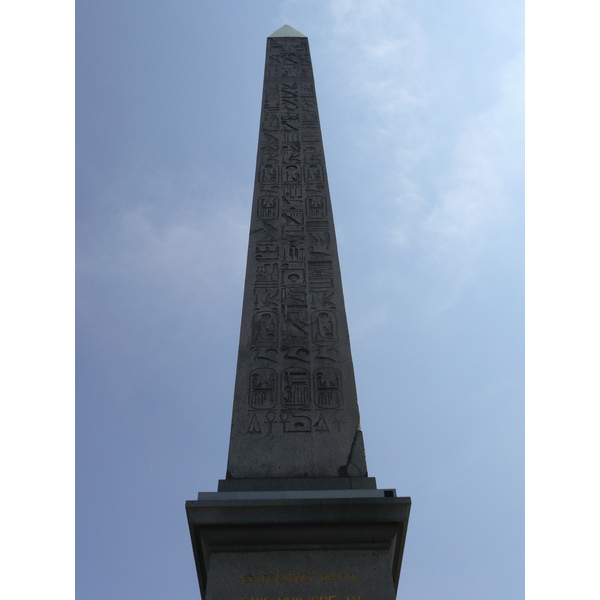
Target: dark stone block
[(298, 543), (297, 483)]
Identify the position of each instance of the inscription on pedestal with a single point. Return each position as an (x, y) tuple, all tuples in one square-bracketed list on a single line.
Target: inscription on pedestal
[(303, 575)]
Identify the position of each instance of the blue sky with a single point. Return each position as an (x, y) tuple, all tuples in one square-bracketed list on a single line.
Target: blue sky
[(126, 471), (422, 114)]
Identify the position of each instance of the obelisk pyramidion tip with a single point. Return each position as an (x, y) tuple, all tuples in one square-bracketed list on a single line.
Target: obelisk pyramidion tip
[(287, 31)]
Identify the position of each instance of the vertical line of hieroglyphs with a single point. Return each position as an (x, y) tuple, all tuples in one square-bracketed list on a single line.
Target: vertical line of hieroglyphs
[(295, 384)]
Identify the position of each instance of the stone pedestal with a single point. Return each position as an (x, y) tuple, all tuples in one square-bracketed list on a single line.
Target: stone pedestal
[(344, 544)]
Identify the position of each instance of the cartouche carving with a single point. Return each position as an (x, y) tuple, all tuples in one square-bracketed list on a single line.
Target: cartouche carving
[(263, 388)]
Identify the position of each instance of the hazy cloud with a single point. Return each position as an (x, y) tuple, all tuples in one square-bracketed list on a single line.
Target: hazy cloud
[(445, 187), (172, 230), (385, 52)]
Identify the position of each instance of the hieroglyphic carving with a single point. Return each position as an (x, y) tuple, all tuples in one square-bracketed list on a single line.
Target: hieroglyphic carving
[(328, 388), (316, 207), (321, 424), (271, 102), (270, 121), (326, 353), (289, 90), (267, 273), (269, 153), (289, 71), (320, 275), (319, 236), (305, 73), (264, 328), (293, 215), (310, 136), (307, 103), (318, 254), (262, 354), (290, 153), (269, 138), (309, 118), (338, 417), (267, 252), (307, 89), (319, 300), (294, 423), (266, 231), (270, 419), (290, 104), (294, 253), (294, 296), (290, 231), (295, 385), (289, 58), (291, 193), (291, 276), (254, 426), (295, 326), (313, 172), (324, 328), (266, 298), (290, 136), (293, 354), (295, 388), (263, 388), (268, 173), (312, 153), (268, 207), (291, 173)]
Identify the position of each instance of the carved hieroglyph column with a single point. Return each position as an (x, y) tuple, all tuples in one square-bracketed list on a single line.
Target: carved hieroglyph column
[(295, 409)]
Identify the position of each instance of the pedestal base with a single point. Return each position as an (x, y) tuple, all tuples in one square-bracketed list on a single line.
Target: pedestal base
[(298, 545)]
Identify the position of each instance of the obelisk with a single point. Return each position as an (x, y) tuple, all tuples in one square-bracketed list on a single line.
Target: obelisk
[(297, 515), (295, 411)]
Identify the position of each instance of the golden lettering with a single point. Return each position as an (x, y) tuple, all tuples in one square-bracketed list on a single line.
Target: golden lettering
[(287, 578)]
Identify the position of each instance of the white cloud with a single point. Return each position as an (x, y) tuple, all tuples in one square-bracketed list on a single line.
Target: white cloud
[(488, 158), (384, 53)]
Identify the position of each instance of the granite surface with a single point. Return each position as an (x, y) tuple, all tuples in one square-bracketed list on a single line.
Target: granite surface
[(295, 409)]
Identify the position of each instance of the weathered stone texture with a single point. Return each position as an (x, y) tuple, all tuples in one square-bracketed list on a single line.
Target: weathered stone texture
[(295, 409)]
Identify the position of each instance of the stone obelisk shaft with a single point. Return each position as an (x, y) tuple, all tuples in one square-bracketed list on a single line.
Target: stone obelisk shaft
[(295, 409)]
